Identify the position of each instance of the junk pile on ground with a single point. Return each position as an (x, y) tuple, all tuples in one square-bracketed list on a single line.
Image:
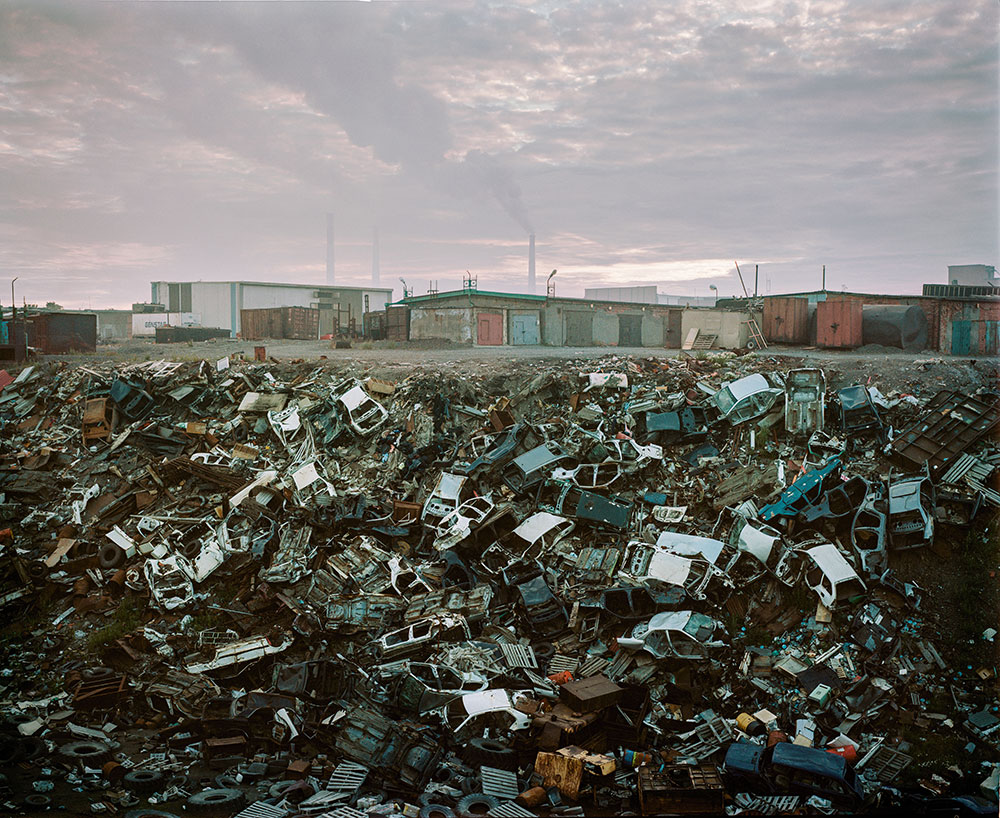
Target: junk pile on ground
[(695, 584)]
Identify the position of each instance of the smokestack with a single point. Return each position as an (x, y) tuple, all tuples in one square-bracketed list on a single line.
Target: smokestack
[(375, 269), (531, 263), (329, 249)]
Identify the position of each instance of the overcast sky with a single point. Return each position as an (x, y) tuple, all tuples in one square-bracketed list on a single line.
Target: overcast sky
[(643, 142)]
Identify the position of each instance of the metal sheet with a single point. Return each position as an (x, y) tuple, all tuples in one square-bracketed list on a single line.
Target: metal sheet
[(786, 320), (490, 328), (839, 323)]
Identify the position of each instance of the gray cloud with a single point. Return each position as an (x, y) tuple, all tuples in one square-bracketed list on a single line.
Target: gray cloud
[(183, 140)]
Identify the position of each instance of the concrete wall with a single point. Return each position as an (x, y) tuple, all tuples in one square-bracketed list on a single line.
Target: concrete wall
[(113, 325), (730, 327), (453, 323)]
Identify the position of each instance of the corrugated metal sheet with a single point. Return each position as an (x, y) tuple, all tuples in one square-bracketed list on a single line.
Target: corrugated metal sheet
[(839, 323), (58, 332), (786, 320)]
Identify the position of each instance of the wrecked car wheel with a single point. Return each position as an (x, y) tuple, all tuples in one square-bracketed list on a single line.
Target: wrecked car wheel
[(488, 752), (436, 811), (473, 806), (144, 781), (209, 800), (93, 753), (110, 556)]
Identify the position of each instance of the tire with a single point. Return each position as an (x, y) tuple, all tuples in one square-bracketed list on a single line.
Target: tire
[(436, 811), (544, 651), (148, 813), (211, 800), (37, 801), (488, 752), (11, 751), (33, 748), (94, 753), (474, 806), (143, 782), (110, 556), (226, 782)]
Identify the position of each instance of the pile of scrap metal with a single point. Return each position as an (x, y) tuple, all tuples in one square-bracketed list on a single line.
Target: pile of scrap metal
[(274, 589)]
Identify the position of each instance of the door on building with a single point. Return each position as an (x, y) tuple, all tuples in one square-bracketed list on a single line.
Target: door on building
[(630, 330), (672, 329), (524, 329), (490, 328), (961, 337), (991, 337), (579, 329)]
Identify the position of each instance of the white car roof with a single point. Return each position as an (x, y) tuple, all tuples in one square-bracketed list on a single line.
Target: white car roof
[(748, 386), (832, 563), (689, 545), (538, 525), (670, 620)]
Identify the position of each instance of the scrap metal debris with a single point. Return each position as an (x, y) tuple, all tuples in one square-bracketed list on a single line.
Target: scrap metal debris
[(662, 585)]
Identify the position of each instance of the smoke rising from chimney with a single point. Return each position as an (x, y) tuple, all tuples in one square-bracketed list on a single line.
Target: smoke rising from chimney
[(531, 263), (329, 249)]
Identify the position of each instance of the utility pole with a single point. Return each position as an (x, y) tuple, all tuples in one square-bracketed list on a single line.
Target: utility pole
[(756, 273)]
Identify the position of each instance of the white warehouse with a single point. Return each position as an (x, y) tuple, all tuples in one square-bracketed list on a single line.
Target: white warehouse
[(218, 303)]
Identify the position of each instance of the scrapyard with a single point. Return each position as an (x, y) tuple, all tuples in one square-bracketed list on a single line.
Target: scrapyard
[(711, 583)]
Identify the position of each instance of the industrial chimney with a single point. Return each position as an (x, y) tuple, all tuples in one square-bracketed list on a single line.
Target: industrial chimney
[(531, 263), (329, 249), (375, 265)]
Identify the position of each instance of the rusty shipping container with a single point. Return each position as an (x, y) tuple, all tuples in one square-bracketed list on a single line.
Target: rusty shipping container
[(786, 320), (290, 323), (839, 323), (397, 323), (300, 323), (256, 325), (55, 333)]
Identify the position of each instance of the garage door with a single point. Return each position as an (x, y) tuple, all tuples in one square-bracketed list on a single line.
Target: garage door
[(490, 328), (579, 329), (524, 329), (630, 330)]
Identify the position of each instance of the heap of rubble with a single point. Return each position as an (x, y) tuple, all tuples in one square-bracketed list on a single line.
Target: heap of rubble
[(625, 585)]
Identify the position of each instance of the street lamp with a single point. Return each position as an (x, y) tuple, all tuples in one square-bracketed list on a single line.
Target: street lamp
[(13, 316), (550, 287), (714, 289)]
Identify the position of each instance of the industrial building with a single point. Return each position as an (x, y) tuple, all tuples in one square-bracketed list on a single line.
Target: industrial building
[(647, 294), (219, 303), (491, 319)]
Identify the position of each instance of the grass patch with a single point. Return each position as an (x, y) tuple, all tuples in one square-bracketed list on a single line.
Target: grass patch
[(125, 619)]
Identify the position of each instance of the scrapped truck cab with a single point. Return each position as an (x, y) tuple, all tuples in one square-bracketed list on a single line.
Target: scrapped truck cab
[(791, 769)]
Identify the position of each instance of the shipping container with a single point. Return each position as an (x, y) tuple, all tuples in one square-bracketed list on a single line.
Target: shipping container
[(397, 323), (290, 323), (55, 333), (839, 323), (786, 320), (300, 323), (145, 324), (176, 335)]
